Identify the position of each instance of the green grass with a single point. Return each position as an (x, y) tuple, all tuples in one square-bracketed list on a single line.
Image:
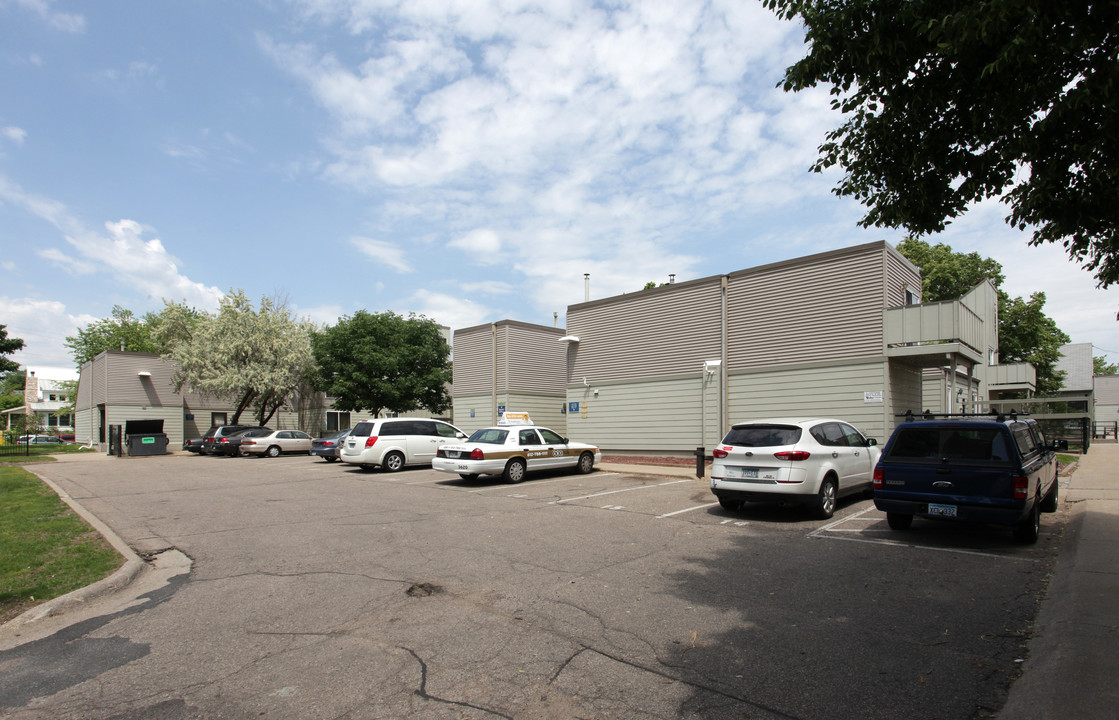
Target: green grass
[(46, 549), (42, 453), (1067, 459)]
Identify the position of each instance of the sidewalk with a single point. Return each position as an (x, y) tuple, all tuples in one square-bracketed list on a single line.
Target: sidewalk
[(1072, 670)]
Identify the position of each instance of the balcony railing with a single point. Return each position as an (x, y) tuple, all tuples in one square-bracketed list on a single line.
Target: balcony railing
[(1015, 376), (933, 328)]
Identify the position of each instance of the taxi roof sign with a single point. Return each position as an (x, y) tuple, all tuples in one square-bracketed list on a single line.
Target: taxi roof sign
[(515, 418)]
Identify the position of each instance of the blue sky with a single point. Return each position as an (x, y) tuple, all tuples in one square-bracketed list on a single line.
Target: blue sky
[(463, 159)]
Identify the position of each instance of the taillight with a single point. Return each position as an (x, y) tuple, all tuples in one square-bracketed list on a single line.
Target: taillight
[(1021, 487), (477, 454), (792, 455), (248, 442), (225, 440), (720, 452), (879, 477), (328, 444), (369, 441)]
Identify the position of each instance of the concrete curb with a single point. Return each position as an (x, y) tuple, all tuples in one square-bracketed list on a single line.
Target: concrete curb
[(123, 577)]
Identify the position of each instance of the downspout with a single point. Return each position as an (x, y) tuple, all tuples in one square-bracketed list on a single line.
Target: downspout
[(723, 368), (493, 408)]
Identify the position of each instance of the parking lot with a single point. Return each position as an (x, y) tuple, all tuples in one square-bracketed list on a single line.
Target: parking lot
[(321, 590)]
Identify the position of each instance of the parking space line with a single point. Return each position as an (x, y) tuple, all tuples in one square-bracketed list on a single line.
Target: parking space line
[(534, 483), (611, 492), (681, 512)]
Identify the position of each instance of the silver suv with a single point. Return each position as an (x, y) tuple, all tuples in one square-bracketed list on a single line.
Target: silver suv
[(393, 443)]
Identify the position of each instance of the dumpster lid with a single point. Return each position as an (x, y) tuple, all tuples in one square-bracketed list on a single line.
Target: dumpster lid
[(143, 427)]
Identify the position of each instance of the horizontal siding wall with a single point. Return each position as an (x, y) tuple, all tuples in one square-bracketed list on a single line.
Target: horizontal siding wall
[(473, 361), (826, 391), (85, 426), (829, 307), (172, 421), (480, 405), (907, 392), (655, 416), (900, 276), (650, 333), (544, 409), (126, 387), (537, 360)]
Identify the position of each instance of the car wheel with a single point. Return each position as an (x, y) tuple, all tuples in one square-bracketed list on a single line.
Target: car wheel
[(1028, 530), (1051, 501), (732, 505), (241, 452), (329, 458), (586, 463), (899, 521), (468, 476), (272, 451), (393, 462), (514, 471), (824, 504)]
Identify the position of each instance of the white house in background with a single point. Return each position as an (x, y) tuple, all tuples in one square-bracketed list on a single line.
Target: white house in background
[(44, 399)]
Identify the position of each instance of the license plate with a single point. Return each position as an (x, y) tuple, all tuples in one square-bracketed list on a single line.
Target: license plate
[(942, 510), (748, 473)]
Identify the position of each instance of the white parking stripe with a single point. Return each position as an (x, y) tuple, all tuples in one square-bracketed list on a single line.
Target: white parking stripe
[(611, 492), (534, 483), (681, 512)]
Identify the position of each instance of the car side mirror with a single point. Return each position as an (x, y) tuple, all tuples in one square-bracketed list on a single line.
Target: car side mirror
[(871, 442), (566, 441), (1060, 445), (461, 436)]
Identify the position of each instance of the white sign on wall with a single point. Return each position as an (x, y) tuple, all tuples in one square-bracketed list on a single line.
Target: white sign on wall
[(872, 396)]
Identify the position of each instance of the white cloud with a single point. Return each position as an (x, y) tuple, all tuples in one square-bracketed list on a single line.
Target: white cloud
[(454, 312), (382, 252), (14, 134), (66, 22), (123, 252), (42, 325), (482, 246)]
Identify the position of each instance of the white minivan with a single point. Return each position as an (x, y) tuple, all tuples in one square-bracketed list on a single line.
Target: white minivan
[(393, 443)]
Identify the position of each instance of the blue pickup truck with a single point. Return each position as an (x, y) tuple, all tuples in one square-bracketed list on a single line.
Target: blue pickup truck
[(981, 468)]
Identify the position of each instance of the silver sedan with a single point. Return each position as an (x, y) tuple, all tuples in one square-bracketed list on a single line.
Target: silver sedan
[(280, 441)]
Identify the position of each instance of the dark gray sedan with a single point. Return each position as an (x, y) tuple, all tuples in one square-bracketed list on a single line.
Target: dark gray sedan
[(328, 447)]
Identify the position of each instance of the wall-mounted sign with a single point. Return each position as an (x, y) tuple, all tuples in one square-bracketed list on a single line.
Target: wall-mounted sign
[(572, 407), (500, 409), (872, 396)]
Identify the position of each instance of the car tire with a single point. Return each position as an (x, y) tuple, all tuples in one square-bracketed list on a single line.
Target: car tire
[(586, 463), (899, 521), (241, 452), (732, 505), (273, 451), (393, 462), (514, 471), (1052, 501), (1028, 530), (824, 504), (468, 476), (330, 459)]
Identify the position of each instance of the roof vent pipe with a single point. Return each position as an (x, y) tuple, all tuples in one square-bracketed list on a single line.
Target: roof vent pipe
[(672, 278), (586, 287)]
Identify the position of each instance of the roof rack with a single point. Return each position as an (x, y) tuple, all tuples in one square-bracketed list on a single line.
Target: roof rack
[(929, 415)]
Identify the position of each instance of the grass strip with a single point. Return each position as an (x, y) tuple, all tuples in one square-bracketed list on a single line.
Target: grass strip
[(46, 549)]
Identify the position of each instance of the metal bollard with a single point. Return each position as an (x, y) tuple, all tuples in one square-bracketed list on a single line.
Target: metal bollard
[(700, 460)]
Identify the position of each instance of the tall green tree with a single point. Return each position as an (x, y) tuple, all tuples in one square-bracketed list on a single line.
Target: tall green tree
[(11, 389), (252, 358), (383, 362), (1100, 366), (121, 331), (951, 102), (1026, 333), (8, 346)]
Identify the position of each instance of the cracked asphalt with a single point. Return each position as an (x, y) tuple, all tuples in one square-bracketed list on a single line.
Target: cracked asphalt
[(320, 591)]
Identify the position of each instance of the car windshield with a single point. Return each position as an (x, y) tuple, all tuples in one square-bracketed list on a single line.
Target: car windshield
[(490, 436), (762, 435)]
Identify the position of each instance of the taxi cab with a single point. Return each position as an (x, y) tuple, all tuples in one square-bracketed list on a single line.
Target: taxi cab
[(511, 449)]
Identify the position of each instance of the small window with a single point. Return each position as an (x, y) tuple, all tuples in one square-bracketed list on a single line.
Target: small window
[(829, 435), (445, 430), (396, 428), (529, 437), (763, 435), (363, 429), (490, 436)]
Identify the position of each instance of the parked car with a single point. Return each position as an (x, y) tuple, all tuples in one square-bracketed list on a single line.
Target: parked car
[(271, 444), (194, 445), (997, 470), (218, 440), (393, 443), (813, 461), (329, 447), (512, 450)]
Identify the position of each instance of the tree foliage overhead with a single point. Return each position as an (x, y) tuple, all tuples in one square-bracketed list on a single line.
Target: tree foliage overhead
[(950, 102), (1026, 333), (122, 331), (1100, 366), (252, 358), (8, 346), (383, 362)]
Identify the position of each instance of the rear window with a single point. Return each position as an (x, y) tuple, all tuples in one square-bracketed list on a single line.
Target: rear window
[(490, 436), (986, 445), (762, 435), (363, 429)]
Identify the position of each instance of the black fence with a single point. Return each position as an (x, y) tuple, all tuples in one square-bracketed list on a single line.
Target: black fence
[(11, 446)]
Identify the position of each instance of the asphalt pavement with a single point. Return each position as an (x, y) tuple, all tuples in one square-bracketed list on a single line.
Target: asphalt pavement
[(1072, 659)]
